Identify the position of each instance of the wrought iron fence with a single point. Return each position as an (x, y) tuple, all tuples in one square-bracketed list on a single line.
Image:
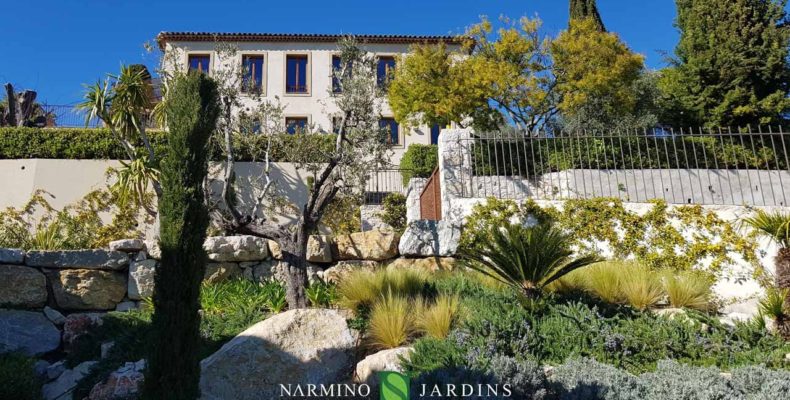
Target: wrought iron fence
[(700, 166), (381, 183), (68, 116)]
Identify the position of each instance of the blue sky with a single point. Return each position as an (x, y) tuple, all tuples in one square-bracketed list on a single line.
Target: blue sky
[(54, 46)]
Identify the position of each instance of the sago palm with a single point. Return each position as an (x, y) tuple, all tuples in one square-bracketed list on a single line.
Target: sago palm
[(526, 258), (776, 225)]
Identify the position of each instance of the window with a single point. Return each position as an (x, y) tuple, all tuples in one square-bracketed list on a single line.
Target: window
[(384, 69), (296, 74), (335, 70), (252, 78), (294, 125), (391, 130), (435, 130), (199, 62)]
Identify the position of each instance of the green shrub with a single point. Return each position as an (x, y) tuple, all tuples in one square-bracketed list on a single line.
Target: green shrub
[(342, 215), (18, 381), (688, 289), (99, 144), (419, 161), (641, 287), (435, 319), (391, 321), (394, 213)]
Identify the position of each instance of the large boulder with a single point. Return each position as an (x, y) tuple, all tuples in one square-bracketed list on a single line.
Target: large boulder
[(371, 245), (11, 256), (236, 248), (338, 271), (141, 279), (218, 272), (127, 245), (61, 388), (78, 259), (27, 332), (430, 264), (305, 346), (124, 383), (22, 286), (319, 249), (385, 360), (86, 289), (430, 239)]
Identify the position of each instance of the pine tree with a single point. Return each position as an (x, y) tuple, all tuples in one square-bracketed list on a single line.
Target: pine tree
[(173, 364), (581, 9), (731, 64)]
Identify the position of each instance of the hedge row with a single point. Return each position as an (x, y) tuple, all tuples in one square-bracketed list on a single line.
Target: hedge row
[(99, 144), (419, 161)]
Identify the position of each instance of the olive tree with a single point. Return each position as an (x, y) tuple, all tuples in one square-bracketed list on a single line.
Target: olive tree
[(359, 147)]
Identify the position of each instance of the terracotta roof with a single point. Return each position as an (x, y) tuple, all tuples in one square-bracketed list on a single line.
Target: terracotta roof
[(164, 37)]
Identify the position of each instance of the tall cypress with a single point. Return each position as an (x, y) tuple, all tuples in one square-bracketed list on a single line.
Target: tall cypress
[(173, 371), (580, 9)]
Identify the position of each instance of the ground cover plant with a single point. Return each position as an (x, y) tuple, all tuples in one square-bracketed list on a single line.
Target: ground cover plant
[(498, 332)]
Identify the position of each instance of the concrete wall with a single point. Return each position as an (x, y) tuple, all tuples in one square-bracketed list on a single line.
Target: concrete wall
[(318, 105), (67, 181)]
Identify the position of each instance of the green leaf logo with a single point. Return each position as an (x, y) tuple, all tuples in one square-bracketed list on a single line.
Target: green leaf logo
[(394, 386)]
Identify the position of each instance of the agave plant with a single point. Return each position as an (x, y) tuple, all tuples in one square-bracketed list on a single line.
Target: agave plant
[(526, 258)]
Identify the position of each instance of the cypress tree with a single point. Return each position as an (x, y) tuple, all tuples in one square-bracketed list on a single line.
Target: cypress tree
[(731, 64), (173, 370), (580, 9)]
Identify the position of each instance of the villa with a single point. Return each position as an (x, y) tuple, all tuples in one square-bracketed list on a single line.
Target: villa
[(297, 69)]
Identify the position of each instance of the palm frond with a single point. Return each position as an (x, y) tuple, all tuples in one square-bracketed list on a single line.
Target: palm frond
[(775, 225)]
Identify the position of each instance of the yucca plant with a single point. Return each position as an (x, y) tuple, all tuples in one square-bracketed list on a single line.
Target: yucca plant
[(526, 258), (688, 290), (641, 287), (391, 321), (774, 306), (436, 319)]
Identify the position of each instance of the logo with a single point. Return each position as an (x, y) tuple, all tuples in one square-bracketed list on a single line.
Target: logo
[(394, 386)]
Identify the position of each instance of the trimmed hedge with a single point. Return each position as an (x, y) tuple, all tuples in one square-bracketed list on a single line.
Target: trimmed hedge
[(99, 144), (419, 161)]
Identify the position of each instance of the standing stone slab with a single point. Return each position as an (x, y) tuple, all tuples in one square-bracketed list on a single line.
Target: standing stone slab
[(79, 259), (306, 346), (27, 332), (141, 279), (430, 239), (12, 256), (371, 245), (85, 289), (319, 249), (22, 286)]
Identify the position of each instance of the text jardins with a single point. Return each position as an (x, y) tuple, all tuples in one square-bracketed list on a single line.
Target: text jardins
[(425, 391)]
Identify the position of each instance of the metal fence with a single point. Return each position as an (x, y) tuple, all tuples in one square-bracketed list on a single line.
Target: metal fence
[(68, 116), (695, 166), (381, 183)]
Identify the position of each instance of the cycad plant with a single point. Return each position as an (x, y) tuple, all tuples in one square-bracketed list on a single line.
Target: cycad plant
[(774, 306), (776, 226), (526, 258)]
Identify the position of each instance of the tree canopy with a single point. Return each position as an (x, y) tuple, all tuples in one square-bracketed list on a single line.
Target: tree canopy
[(731, 64), (586, 9)]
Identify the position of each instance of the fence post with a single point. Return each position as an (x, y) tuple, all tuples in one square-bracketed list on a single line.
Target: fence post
[(455, 167)]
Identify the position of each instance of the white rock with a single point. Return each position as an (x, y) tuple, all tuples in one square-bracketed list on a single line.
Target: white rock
[(153, 250), (28, 332), (54, 316), (430, 238), (127, 245), (236, 248), (304, 346), (141, 279), (386, 360), (78, 259), (319, 249), (61, 388)]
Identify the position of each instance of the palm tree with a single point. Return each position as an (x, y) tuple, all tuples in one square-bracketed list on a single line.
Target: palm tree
[(123, 103), (776, 226), (526, 258)]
